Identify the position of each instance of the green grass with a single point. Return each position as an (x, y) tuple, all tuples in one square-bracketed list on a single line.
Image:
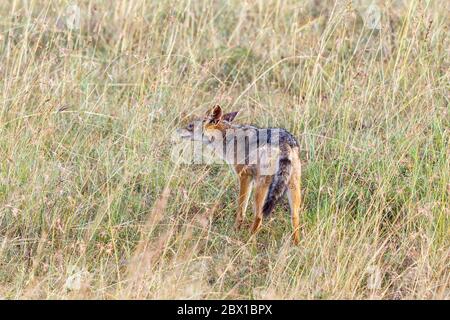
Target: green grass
[(91, 205)]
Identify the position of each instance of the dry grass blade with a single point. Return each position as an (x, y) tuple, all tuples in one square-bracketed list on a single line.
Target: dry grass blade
[(148, 250)]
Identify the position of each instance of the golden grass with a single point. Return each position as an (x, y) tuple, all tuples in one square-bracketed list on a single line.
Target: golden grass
[(91, 205)]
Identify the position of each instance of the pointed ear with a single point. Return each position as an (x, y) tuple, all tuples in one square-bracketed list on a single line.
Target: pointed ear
[(230, 116), (216, 113)]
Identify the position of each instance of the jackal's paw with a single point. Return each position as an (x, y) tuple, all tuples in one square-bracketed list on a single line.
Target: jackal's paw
[(238, 224), (256, 225)]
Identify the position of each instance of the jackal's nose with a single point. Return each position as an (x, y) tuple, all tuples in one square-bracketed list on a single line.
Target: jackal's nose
[(183, 133)]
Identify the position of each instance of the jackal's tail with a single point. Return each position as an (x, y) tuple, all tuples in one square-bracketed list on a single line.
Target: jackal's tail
[(278, 185)]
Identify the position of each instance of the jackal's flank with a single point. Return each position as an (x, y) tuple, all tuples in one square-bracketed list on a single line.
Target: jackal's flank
[(268, 159)]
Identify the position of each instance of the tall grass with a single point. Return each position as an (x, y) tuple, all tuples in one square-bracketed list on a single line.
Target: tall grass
[(91, 205)]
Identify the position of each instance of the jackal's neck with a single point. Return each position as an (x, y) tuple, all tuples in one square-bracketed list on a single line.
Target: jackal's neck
[(229, 141)]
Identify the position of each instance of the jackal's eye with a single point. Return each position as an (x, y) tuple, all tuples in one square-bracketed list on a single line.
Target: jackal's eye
[(190, 127), (212, 121)]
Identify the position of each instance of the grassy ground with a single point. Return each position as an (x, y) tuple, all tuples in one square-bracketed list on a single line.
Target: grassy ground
[(91, 205)]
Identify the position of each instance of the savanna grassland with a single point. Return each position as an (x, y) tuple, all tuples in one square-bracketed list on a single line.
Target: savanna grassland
[(93, 206)]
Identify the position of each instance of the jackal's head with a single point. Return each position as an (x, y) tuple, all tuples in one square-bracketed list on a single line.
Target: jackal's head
[(206, 129)]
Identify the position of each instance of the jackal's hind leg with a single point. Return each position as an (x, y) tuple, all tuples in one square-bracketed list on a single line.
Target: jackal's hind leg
[(261, 188), (294, 196)]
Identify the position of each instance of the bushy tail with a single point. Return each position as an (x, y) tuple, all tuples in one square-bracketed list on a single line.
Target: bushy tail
[(278, 185)]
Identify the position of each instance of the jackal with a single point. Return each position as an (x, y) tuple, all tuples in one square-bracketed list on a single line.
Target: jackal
[(266, 158)]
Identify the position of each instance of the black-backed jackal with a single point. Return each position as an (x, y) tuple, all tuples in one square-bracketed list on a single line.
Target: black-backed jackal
[(265, 158)]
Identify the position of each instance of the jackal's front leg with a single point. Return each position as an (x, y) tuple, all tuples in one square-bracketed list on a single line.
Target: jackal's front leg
[(245, 182)]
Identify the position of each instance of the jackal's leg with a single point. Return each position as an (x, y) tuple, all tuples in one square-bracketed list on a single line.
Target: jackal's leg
[(261, 188), (294, 196), (245, 182)]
